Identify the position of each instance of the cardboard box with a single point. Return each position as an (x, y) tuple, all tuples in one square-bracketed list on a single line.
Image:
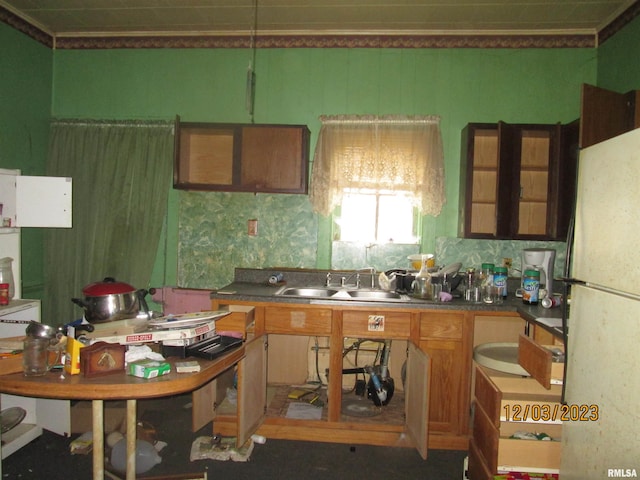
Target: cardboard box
[(149, 368), (115, 416)]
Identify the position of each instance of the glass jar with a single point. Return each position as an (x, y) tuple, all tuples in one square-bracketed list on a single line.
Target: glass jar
[(530, 287), (500, 280)]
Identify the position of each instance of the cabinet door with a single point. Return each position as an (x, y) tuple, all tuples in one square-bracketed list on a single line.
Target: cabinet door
[(536, 158), (517, 181), (448, 407), (32, 201), (606, 114), (417, 398), (446, 337), (252, 388), (479, 180), (488, 173), (271, 159)]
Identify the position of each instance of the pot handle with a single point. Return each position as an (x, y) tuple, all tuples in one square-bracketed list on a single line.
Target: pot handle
[(80, 303), (143, 302)]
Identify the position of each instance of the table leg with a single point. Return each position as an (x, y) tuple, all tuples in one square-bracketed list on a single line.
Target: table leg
[(131, 439), (98, 439)]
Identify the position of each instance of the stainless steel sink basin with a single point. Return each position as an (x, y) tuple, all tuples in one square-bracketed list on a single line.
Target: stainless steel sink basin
[(326, 293), (309, 292), (373, 294)]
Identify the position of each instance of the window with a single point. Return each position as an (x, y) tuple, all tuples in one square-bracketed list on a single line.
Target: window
[(377, 217), (387, 156)]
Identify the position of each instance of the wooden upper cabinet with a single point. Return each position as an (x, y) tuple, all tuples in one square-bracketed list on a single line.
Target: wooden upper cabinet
[(606, 114), (241, 157), (517, 180)]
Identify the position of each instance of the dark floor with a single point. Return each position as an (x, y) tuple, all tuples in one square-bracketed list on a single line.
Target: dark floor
[(48, 457)]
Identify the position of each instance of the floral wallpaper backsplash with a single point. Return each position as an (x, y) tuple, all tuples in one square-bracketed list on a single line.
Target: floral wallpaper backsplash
[(473, 253), (213, 240), (469, 252)]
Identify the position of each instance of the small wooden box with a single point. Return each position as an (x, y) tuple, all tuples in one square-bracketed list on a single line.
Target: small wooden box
[(102, 358), (12, 364)]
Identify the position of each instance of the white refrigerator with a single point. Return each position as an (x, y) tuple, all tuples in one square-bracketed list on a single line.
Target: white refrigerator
[(601, 438)]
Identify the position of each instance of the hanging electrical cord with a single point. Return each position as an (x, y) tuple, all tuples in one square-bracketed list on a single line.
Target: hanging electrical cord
[(251, 75)]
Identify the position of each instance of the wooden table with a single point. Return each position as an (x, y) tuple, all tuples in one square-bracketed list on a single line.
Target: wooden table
[(118, 386)]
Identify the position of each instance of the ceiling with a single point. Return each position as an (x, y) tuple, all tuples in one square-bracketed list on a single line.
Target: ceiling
[(86, 18)]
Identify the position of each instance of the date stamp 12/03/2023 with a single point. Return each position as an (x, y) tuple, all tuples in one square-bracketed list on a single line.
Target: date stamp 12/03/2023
[(547, 412)]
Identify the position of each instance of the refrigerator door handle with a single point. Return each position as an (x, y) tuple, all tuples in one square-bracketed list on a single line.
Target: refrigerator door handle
[(566, 290)]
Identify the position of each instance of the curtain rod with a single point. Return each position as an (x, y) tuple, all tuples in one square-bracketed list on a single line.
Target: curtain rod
[(373, 119), (111, 123)]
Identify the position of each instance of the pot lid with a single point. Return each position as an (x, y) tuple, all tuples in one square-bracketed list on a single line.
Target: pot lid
[(109, 286)]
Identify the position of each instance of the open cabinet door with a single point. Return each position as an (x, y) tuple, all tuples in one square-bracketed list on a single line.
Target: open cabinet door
[(416, 398), (252, 388)]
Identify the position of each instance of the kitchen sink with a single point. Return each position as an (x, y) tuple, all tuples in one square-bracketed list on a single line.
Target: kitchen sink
[(373, 294), (308, 292), (325, 293)]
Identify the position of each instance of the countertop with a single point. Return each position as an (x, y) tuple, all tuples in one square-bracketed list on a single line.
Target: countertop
[(251, 285)]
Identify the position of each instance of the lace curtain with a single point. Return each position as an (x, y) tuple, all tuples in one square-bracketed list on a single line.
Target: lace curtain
[(121, 180), (379, 153)]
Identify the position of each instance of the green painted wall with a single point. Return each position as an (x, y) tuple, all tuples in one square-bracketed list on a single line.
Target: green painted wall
[(296, 86), (618, 65), (25, 107)]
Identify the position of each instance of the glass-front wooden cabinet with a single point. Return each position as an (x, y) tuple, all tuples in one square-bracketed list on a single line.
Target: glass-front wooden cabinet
[(241, 157), (517, 180)]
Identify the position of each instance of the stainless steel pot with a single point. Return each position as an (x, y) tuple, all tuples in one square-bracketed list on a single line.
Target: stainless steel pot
[(111, 300)]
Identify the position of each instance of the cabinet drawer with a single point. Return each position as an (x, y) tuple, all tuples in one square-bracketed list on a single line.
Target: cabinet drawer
[(497, 452), (290, 320), (538, 361), (449, 326), (477, 468), (488, 397), (239, 320), (529, 454), (376, 324), (506, 404), (486, 436)]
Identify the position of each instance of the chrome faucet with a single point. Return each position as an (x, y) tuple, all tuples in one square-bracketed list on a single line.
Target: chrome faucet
[(344, 280)]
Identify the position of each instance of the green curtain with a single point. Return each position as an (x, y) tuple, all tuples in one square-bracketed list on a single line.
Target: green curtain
[(121, 175)]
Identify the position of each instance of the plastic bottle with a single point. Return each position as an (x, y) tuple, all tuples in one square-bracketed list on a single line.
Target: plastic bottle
[(6, 275), (4, 294), (146, 456), (500, 280), (422, 284), (530, 287), (486, 282), (486, 274)]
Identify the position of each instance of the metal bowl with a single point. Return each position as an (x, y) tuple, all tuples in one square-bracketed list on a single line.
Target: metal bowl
[(40, 330)]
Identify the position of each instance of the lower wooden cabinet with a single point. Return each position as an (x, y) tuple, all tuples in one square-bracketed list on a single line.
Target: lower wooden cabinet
[(508, 408), (435, 366), (447, 338)]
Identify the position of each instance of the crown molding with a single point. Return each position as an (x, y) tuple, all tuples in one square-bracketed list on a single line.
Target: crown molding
[(619, 23), (25, 27), (494, 39)]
